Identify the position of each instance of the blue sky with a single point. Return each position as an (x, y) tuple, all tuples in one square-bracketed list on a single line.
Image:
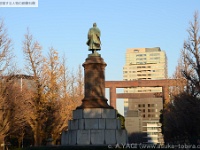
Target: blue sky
[(123, 24)]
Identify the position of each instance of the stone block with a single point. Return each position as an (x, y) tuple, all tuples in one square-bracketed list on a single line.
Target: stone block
[(110, 137), (69, 124), (92, 113), (74, 124), (72, 137), (97, 137), (83, 137), (81, 124), (64, 138), (111, 123), (91, 124), (102, 123), (121, 136), (109, 113), (78, 114)]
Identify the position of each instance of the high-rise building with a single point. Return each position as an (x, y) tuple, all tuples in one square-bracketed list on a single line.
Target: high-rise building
[(145, 64)]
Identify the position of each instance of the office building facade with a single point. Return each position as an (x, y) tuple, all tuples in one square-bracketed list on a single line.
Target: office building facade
[(145, 64)]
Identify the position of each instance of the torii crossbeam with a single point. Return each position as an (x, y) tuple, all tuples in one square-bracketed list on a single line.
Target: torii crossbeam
[(164, 83)]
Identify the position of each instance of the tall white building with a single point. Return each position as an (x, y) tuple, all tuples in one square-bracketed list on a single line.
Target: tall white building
[(145, 64)]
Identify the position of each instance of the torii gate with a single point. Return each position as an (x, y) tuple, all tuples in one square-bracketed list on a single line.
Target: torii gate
[(164, 83)]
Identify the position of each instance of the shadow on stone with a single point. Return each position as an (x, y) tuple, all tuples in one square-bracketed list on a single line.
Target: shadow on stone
[(94, 82), (94, 122)]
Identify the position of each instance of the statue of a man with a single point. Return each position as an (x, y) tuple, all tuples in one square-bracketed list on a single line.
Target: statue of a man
[(94, 41)]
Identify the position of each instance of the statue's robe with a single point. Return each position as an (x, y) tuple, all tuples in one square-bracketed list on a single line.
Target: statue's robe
[(94, 42)]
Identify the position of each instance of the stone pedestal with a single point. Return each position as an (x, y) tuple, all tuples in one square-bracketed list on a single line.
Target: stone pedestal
[(94, 126), (94, 122), (94, 79)]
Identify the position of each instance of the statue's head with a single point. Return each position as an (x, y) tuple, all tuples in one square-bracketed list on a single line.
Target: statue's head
[(94, 24)]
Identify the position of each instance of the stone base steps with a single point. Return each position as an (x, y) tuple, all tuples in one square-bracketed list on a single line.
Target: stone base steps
[(94, 137), (94, 126)]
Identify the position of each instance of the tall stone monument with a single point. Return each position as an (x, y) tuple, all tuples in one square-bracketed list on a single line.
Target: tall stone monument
[(94, 122)]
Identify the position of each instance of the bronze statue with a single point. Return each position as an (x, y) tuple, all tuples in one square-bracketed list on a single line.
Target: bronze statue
[(94, 41)]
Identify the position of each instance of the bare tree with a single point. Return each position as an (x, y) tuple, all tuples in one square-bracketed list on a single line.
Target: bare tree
[(66, 105), (36, 103), (5, 48), (181, 117), (63, 93), (80, 84), (191, 57), (52, 73), (5, 60), (56, 93), (4, 119), (180, 82), (76, 86)]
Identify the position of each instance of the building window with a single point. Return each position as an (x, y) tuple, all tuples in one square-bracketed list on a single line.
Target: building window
[(155, 54), (151, 110), (136, 50), (141, 105), (151, 115), (151, 105)]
